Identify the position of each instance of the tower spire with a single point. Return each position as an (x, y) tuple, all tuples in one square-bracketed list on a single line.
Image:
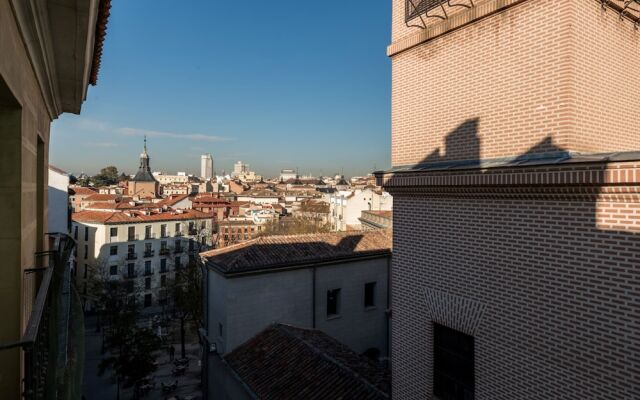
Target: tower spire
[(145, 144)]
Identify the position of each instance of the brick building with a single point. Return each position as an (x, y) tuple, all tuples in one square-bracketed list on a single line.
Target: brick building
[(517, 216)]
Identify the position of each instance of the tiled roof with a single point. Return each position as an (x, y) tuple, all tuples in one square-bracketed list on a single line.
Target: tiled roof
[(104, 9), (81, 191), (171, 200), (102, 197), (119, 217), (273, 252), (315, 207), (380, 213), (284, 362)]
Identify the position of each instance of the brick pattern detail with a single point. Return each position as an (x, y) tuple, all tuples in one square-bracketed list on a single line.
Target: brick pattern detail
[(559, 280), (456, 312), (540, 74)]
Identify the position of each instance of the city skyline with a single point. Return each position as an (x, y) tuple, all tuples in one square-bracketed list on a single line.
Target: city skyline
[(313, 100)]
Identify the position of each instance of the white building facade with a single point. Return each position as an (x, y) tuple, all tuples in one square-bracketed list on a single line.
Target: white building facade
[(206, 166), (346, 206), (145, 251)]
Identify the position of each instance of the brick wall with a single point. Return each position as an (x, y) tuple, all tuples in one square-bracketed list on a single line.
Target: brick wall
[(548, 287), (531, 72)]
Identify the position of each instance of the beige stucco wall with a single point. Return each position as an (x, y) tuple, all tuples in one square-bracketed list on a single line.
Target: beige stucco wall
[(21, 232)]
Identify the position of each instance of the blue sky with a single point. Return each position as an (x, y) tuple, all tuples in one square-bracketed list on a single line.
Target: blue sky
[(276, 84)]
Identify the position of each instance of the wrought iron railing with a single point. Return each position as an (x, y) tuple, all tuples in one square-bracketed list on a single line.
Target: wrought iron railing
[(48, 295)]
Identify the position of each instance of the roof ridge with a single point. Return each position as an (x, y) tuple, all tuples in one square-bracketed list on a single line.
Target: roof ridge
[(283, 328)]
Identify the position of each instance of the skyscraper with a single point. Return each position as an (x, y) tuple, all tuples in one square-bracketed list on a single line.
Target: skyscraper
[(206, 166)]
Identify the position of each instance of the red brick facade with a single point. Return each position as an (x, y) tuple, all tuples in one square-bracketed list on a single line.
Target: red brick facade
[(515, 220)]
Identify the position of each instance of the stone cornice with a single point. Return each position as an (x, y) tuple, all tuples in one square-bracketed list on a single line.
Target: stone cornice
[(620, 180), (32, 20)]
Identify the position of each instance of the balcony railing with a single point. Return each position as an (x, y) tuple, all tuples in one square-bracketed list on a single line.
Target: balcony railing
[(133, 238), (132, 256), (149, 236), (193, 232), (178, 234), (164, 252), (178, 250), (149, 253), (148, 272), (51, 299), (130, 275)]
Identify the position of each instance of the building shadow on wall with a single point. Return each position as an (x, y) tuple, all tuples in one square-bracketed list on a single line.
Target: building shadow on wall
[(568, 191)]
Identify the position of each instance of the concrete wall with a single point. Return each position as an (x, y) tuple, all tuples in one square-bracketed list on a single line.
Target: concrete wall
[(246, 305), (24, 130), (58, 201), (358, 327)]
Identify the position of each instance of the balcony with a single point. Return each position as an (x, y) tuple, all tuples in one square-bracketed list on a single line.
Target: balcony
[(193, 232), (149, 236), (45, 343), (130, 275), (178, 250), (133, 238), (132, 256), (164, 269), (178, 234), (149, 253), (148, 272), (164, 252)]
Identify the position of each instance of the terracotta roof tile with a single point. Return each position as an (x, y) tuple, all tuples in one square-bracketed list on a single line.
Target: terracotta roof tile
[(103, 197), (119, 217), (285, 362), (81, 191), (273, 252)]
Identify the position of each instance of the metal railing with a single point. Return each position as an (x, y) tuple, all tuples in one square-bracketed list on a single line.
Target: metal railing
[(149, 253), (45, 342), (132, 256)]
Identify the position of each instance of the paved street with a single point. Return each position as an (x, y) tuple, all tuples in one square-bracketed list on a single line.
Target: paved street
[(103, 388)]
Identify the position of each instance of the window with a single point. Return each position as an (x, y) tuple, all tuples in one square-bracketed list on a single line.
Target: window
[(163, 230), (163, 281), (178, 262), (113, 232), (220, 329), (147, 300), (147, 232), (86, 233), (113, 270), (75, 232), (163, 265), (147, 268), (453, 369), (85, 271), (177, 228), (147, 283), (333, 302), (113, 250), (131, 233), (370, 294), (86, 251), (131, 270)]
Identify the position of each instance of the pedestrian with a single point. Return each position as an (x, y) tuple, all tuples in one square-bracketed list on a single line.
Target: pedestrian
[(172, 352)]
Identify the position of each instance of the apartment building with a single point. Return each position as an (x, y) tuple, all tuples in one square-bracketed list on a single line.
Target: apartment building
[(50, 52), (206, 166), (515, 176), (334, 282), (77, 194), (346, 206), (142, 247)]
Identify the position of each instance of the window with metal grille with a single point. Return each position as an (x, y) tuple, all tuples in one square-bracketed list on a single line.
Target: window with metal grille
[(370, 294)]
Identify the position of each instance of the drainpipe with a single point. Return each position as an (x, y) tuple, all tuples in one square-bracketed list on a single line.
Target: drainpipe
[(313, 297), (388, 338)]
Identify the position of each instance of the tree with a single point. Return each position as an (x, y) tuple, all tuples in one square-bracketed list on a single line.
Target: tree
[(107, 176), (130, 347), (294, 226), (186, 292)]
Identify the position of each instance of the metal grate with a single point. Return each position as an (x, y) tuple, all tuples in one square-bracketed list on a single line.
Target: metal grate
[(413, 8)]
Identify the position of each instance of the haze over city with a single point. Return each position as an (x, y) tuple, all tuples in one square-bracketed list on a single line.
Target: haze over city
[(285, 90)]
